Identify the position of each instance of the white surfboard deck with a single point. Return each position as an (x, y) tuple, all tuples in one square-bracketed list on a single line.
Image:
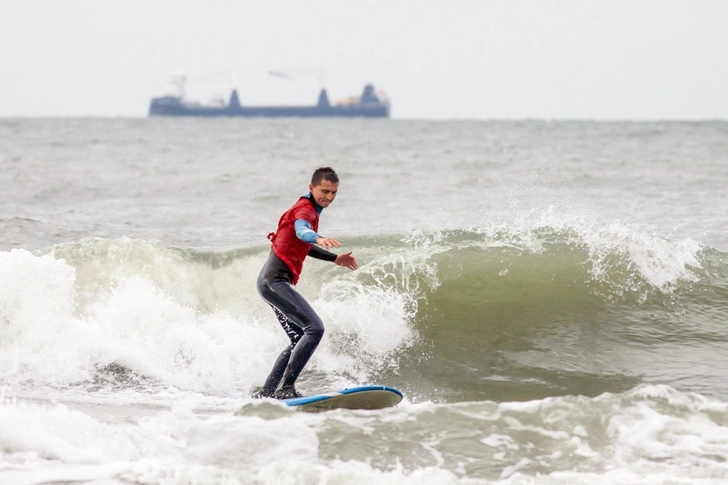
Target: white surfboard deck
[(363, 397)]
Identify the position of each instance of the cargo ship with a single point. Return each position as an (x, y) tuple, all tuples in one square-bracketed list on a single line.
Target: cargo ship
[(369, 105)]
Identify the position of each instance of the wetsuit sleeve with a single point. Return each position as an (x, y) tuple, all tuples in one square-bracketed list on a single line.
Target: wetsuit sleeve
[(320, 253), (304, 231)]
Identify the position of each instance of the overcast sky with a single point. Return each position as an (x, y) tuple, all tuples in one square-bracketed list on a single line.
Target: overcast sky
[(583, 59)]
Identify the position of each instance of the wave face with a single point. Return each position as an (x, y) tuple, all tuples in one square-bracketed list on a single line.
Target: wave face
[(554, 312), (496, 313)]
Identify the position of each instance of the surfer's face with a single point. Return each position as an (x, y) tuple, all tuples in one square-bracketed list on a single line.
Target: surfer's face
[(324, 193)]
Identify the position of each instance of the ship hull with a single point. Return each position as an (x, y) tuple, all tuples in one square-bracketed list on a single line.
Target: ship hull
[(160, 107)]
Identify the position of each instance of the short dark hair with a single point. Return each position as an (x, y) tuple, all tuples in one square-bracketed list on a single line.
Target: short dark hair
[(324, 173)]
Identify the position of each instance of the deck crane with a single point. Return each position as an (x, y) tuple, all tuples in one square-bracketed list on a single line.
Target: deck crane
[(295, 74)]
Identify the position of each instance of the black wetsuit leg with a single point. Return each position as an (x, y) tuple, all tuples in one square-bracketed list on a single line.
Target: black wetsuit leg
[(300, 322), (294, 333)]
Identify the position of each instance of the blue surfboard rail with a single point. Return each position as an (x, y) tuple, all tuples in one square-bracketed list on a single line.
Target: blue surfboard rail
[(300, 401)]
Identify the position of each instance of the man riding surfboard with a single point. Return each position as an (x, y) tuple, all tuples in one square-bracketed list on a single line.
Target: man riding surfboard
[(297, 237)]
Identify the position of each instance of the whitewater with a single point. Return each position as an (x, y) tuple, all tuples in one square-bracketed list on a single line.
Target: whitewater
[(551, 297)]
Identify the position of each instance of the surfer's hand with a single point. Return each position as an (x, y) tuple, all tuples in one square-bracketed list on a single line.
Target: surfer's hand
[(347, 260), (327, 242)]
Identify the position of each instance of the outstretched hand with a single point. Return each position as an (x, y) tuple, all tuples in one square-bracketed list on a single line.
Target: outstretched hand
[(327, 242), (347, 260)]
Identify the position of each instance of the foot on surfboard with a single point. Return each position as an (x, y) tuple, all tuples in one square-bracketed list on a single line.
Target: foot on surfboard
[(261, 393), (287, 392)]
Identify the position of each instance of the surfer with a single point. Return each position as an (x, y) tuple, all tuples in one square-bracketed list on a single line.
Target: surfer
[(297, 237)]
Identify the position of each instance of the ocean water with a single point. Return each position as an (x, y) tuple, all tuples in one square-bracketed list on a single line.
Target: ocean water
[(551, 297)]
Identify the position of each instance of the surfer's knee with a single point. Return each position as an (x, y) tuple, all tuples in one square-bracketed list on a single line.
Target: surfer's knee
[(315, 329)]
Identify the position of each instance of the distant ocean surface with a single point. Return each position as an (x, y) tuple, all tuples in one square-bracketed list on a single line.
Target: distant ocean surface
[(551, 297)]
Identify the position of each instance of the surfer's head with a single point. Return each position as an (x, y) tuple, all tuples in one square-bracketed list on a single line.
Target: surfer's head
[(324, 173), (324, 185)]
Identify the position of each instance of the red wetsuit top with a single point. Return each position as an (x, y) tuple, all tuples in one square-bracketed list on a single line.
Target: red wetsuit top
[(286, 245)]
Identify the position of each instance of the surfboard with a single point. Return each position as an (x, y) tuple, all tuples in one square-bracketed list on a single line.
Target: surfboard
[(363, 397)]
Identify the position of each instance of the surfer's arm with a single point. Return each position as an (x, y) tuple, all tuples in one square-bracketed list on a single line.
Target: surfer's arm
[(321, 253), (304, 231), (344, 259), (306, 234)]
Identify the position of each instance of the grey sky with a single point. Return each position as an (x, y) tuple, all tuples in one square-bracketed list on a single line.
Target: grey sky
[(594, 59)]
